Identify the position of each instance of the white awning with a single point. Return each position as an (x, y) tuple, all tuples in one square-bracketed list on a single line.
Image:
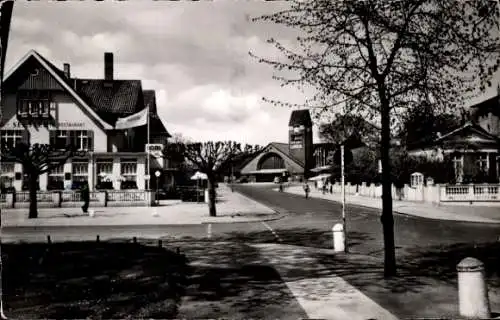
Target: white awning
[(199, 176), (319, 169), (320, 177), (268, 171)]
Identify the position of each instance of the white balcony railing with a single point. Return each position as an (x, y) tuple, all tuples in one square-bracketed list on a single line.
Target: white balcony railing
[(486, 192)]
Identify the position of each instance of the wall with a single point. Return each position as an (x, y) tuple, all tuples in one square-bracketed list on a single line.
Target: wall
[(69, 116)]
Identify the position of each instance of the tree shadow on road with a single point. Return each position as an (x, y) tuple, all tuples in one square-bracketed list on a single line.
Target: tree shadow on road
[(426, 284), (307, 237), (232, 280)]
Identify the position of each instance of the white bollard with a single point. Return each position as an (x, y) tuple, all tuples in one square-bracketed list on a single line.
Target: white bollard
[(91, 213), (473, 299), (338, 237), (155, 212), (209, 231)]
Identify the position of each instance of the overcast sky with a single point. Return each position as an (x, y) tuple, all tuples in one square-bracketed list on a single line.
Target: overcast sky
[(194, 54)]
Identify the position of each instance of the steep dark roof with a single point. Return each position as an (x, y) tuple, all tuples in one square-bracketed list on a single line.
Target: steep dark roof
[(469, 127), (156, 125), (483, 108), (117, 96), (300, 118)]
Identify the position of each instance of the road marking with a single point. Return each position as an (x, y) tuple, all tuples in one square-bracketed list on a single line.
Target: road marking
[(209, 231), (326, 297), (272, 231)]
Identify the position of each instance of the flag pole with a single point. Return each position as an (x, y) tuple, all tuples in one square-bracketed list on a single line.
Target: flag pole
[(149, 161)]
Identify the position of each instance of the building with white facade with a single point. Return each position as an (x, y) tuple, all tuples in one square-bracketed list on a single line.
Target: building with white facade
[(44, 104)]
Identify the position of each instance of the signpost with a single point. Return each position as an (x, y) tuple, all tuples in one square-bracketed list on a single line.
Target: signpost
[(346, 156), (157, 174)]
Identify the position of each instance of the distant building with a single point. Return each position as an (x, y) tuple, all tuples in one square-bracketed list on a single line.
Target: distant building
[(299, 158), (44, 104), (474, 147)]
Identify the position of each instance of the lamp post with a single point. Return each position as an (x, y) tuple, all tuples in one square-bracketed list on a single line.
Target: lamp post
[(157, 174)]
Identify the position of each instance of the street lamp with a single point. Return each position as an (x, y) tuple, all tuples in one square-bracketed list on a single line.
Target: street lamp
[(157, 174)]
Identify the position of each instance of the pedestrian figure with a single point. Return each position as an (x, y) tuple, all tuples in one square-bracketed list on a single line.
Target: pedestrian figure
[(323, 189), (306, 189), (331, 187), (85, 192), (281, 187)]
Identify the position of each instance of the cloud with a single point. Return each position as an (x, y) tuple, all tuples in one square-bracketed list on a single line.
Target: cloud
[(195, 55)]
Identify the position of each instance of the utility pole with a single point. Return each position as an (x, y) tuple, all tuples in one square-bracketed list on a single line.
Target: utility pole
[(342, 172)]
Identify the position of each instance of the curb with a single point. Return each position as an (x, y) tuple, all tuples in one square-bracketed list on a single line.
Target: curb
[(276, 216), (273, 218)]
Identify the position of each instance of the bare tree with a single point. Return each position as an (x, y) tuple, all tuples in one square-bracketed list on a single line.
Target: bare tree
[(377, 58), (37, 159), (207, 157)]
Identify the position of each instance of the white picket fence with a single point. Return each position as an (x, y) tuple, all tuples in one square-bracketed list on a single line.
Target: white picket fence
[(431, 194)]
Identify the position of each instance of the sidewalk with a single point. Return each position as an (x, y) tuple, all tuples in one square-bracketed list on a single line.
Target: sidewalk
[(231, 207), (481, 214), (319, 290), (269, 281)]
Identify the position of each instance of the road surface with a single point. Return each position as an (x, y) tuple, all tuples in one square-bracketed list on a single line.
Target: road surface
[(308, 223)]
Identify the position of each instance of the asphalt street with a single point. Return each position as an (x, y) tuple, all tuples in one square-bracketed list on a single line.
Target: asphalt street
[(308, 223)]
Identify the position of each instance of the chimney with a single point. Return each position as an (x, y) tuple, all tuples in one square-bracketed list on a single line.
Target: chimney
[(108, 66), (67, 73)]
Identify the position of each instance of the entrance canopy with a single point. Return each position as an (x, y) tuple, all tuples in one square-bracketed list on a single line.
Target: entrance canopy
[(199, 176), (320, 177), (268, 171)]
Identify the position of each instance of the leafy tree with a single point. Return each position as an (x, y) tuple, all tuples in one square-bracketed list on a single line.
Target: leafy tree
[(378, 58), (344, 126), (207, 157), (38, 159), (422, 125)]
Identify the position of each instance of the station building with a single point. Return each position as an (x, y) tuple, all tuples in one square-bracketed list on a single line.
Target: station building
[(42, 103), (299, 158)]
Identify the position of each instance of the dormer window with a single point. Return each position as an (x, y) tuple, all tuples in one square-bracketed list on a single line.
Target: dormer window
[(33, 103)]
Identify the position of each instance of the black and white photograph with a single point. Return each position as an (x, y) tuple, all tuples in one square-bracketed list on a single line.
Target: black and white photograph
[(250, 159)]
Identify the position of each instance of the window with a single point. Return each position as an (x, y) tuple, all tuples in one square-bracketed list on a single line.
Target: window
[(56, 178), (458, 163), (82, 139), (80, 170), (129, 169), (6, 175), (296, 138), (482, 162), (34, 103), (104, 169), (129, 173), (9, 138)]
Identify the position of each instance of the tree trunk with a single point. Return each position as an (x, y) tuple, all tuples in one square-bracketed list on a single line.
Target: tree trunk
[(2, 315), (33, 186), (387, 218), (211, 196)]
